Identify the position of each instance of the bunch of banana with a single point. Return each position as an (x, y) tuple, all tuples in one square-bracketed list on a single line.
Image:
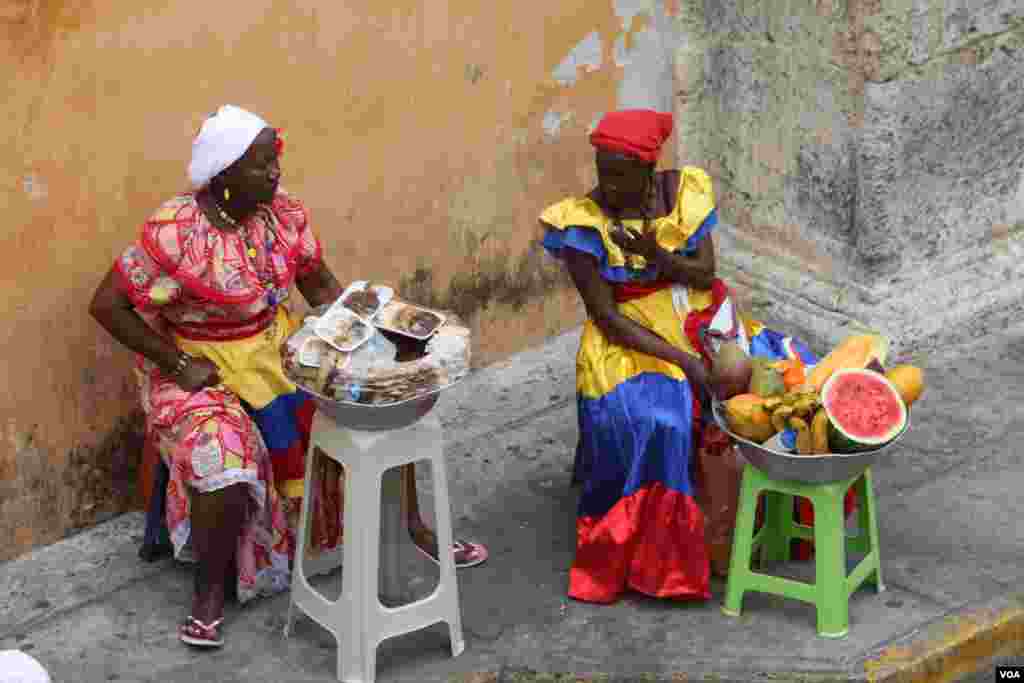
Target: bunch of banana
[(802, 411)]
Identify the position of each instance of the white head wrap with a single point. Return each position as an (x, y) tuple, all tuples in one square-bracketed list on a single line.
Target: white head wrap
[(222, 141), (18, 667)]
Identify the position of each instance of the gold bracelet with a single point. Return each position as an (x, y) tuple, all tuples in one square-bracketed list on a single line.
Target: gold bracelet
[(183, 360)]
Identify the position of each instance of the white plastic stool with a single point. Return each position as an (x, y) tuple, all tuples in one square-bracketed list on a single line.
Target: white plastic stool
[(358, 620)]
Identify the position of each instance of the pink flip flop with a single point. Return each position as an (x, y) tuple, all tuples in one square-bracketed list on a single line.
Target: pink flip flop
[(475, 554), (196, 633)]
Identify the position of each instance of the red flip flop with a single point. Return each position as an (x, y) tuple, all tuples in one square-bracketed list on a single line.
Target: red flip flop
[(196, 633), (474, 553)]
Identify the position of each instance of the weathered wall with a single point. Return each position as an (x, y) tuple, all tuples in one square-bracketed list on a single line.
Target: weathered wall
[(424, 135), (865, 151)]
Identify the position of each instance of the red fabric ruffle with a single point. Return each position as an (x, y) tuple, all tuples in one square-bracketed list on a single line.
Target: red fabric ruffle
[(651, 541)]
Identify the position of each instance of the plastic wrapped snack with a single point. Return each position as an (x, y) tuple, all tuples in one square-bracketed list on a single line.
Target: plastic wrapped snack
[(343, 329), (366, 300), (385, 369), (408, 319)]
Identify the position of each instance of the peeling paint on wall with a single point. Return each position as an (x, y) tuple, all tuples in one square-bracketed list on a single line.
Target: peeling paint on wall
[(586, 56), (628, 9), (553, 121), (35, 187), (401, 185)]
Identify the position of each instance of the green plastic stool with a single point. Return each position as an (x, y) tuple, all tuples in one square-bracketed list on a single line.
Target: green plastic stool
[(830, 593)]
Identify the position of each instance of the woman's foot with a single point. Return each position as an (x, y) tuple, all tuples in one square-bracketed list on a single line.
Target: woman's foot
[(200, 634), (208, 602), (467, 554)]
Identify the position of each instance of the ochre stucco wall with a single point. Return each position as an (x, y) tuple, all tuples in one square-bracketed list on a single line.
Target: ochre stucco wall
[(424, 136)]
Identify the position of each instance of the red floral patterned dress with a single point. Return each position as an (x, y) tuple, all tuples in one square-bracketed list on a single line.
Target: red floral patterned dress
[(199, 286)]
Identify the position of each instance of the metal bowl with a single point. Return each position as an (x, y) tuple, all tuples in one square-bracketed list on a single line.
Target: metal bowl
[(811, 469), (375, 418)]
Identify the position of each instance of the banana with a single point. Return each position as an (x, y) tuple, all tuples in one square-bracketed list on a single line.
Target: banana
[(804, 445), (779, 417), (804, 407), (819, 431)]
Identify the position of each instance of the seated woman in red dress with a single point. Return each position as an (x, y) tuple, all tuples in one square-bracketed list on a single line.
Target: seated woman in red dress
[(202, 298)]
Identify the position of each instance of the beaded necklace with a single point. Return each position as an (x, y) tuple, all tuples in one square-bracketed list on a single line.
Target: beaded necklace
[(265, 276)]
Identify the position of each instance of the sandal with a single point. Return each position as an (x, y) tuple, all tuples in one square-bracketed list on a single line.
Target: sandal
[(195, 632), (473, 554)]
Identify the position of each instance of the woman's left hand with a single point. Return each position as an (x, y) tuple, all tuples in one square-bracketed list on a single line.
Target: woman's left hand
[(645, 244)]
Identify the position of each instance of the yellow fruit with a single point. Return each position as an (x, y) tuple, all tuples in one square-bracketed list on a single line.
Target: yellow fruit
[(856, 351), (780, 416), (819, 431), (748, 418), (804, 445), (805, 406), (908, 380)]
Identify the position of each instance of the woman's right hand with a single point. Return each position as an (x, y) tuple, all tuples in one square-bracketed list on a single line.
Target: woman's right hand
[(699, 379), (198, 374)]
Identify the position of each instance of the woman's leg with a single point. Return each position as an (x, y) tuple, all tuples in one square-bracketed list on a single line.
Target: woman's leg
[(467, 554), (420, 533), (217, 519)]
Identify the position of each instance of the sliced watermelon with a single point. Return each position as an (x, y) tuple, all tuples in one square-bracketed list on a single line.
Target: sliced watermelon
[(865, 411)]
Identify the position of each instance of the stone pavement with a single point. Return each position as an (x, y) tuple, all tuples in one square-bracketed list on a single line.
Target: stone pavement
[(950, 499)]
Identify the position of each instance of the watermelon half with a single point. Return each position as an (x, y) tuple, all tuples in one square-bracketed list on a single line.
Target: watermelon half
[(865, 411)]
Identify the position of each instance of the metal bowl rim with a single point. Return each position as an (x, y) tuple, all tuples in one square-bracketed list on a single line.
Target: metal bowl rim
[(796, 456), (353, 404)]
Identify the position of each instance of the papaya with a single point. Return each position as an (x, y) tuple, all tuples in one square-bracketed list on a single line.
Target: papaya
[(765, 378), (747, 416), (819, 432), (909, 382), (856, 352)]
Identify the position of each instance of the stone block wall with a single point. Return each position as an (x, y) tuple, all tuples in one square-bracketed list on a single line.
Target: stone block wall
[(869, 157)]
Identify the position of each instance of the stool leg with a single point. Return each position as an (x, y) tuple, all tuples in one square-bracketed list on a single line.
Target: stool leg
[(301, 532), (448, 579), (392, 536), (357, 655), (861, 543), (778, 527), (742, 542), (833, 603), (869, 524)]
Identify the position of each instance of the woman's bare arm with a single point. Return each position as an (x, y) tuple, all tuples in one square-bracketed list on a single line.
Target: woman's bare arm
[(319, 286), (600, 303), (113, 310), (697, 271)]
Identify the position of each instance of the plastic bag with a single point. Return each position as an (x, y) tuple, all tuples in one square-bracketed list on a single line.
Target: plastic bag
[(719, 470), (378, 353)]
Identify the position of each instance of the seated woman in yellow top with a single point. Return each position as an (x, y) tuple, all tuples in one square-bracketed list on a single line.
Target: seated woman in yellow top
[(640, 252)]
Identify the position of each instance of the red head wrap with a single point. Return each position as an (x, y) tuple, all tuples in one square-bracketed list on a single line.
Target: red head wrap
[(637, 132)]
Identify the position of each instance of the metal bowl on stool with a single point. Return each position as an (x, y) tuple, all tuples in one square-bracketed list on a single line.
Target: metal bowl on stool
[(375, 418), (811, 469), (369, 417)]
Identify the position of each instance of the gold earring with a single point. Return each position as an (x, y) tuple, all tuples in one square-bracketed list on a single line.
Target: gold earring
[(227, 194)]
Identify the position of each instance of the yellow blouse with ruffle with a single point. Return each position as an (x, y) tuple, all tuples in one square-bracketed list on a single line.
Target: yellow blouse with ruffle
[(695, 202)]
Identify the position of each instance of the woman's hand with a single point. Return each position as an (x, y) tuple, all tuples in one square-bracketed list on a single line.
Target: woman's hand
[(645, 244), (198, 374), (699, 379)]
